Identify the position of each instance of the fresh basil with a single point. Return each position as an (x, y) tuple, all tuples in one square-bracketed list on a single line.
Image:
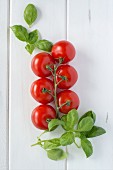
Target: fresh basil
[(90, 114), (44, 45), (30, 14), (30, 48), (67, 138), (20, 32), (70, 119), (87, 147), (85, 124), (54, 122), (33, 37), (56, 154), (52, 143), (95, 131)]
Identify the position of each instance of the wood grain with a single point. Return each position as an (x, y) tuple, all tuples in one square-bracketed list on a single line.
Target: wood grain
[(52, 25), (90, 28), (4, 34)]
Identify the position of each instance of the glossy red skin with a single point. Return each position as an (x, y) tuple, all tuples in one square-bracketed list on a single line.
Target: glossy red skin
[(63, 49), (67, 95), (40, 115), (39, 63), (36, 90), (70, 73)]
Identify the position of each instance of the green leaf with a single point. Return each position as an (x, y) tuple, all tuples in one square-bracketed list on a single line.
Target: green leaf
[(67, 138), (70, 119), (85, 124), (44, 45), (90, 114), (33, 37), (20, 32), (30, 48), (54, 122), (30, 14), (87, 147), (95, 131), (56, 154), (52, 143)]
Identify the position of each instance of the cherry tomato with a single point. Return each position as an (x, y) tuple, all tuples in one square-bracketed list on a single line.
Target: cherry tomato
[(41, 89), (40, 62), (66, 76), (63, 49), (70, 99), (41, 115)]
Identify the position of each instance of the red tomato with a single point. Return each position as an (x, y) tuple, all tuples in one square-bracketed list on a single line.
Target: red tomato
[(68, 75), (39, 63), (41, 115), (70, 97), (63, 49), (39, 90)]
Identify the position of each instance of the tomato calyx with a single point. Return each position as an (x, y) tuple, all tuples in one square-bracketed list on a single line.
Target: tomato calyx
[(67, 103)]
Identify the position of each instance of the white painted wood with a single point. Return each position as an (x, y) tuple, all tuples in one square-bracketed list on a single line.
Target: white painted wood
[(52, 26), (3, 85), (90, 29)]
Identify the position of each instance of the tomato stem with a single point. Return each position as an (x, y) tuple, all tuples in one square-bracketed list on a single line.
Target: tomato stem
[(55, 92), (66, 103)]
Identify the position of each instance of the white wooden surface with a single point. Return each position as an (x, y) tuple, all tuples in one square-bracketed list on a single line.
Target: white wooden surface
[(4, 40), (88, 24)]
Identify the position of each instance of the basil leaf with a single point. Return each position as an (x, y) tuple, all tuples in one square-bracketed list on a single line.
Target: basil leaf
[(95, 131), (30, 14), (87, 147), (52, 143), (56, 154), (70, 119), (44, 45), (33, 37), (64, 119), (85, 124), (54, 122), (67, 138), (20, 32), (90, 114), (30, 48)]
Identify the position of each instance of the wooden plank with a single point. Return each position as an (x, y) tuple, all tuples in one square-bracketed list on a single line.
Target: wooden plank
[(90, 29), (4, 7), (51, 24)]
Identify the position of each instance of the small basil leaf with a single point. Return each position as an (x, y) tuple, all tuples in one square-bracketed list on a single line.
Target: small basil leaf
[(67, 138), (90, 114), (56, 154), (30, 14), (44, 45), (30, 48), (33, 37), (52, 144), (85, 124), (72, 118), (64, 119), (20, 32), (54, 122), (95, 131), (87, 147)]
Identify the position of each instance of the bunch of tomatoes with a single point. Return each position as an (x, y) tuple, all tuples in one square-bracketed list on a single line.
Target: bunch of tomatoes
[(45, 90)]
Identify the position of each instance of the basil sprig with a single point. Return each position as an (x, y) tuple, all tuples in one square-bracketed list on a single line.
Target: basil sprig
[(75, 127), (31, 38)]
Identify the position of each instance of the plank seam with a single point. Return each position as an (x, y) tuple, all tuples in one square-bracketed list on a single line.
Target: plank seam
[(66, 39), (8, 79)]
